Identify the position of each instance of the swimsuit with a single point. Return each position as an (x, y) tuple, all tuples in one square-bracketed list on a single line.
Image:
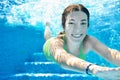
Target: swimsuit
[(46, 49)]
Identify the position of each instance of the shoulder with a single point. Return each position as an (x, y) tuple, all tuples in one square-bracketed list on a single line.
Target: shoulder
[(89, 42), (94, 43), (58, 41), (49, 41), (54, 41), (90, 39)]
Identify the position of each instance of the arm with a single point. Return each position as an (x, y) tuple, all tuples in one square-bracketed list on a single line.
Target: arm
[(109, 54), (79, 65), (65, 58)]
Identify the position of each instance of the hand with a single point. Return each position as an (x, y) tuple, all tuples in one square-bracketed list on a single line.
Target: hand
[(108, 73)]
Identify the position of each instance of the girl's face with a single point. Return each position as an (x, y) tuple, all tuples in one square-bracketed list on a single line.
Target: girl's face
[(76, 26)]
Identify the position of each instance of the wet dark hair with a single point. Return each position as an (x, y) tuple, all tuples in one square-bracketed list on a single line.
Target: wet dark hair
[(72, 8)]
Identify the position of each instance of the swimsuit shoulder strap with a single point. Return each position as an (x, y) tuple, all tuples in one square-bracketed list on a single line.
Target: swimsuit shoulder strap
[(81, 54)]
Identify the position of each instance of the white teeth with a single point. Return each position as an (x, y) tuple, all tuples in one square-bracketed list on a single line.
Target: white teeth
[(76, 35)]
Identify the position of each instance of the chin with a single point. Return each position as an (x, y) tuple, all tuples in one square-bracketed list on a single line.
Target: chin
[(77, 39)]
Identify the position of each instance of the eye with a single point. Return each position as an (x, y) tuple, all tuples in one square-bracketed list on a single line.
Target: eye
[(71, 23), (83, 23)]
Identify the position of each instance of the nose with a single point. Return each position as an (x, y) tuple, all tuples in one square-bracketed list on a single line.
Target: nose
[(78, 29)]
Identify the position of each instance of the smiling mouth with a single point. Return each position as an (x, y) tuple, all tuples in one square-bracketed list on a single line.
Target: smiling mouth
[(76, 35)]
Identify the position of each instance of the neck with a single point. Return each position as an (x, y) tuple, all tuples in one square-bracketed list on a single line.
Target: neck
[(73, 46)]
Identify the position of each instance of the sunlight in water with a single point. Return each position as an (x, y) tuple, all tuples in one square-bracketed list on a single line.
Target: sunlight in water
[(34, 12), (22, 25), (39, 11), (50, 74)]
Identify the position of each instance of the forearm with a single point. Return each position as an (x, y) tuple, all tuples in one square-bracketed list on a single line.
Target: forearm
[(114, 56), (76, 64), (71, 62)]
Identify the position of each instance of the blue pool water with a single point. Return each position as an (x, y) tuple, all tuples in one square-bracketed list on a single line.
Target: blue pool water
[(21, 37)]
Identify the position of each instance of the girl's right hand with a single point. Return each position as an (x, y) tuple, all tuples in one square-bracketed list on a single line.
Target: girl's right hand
[(107, 73)]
